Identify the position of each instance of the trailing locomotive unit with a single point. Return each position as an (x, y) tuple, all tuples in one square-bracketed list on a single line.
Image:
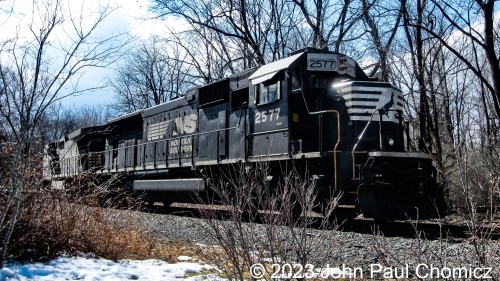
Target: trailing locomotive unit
[(315, 108)]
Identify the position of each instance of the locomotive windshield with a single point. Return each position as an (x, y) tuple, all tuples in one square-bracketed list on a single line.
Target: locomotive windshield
[(316, 87), (315, 81), (324, 80), (320, 80)]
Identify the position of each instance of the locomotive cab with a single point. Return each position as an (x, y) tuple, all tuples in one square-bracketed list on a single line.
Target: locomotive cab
[(348, 130)]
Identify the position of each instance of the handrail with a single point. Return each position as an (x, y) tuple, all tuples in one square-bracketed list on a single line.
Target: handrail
[(105, 151), (359, 139), (381, 111), (338, 133)]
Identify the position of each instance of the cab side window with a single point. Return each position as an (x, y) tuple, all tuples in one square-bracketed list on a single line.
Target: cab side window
[(268, 91), (296, 80)]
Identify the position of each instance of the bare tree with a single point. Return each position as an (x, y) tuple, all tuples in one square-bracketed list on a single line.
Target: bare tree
[(153, 74), (413, 22), (58, 120), (239, 34), (36, 68), (383, 23), (448, 46), (474, 20), (240, 20), (331, 22), (209, 56)]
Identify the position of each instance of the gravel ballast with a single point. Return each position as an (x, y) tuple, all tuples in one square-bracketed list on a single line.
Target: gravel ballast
[(342, 249)]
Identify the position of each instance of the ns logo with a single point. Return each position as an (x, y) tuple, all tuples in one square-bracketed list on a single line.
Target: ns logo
[(185, 124)]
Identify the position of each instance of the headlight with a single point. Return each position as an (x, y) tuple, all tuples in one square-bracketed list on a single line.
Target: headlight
[(390, 141)]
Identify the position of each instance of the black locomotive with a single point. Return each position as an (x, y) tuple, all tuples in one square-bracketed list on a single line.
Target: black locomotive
[(315, 109)]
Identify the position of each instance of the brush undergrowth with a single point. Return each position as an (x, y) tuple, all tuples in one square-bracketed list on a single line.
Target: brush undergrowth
[(51, 224)]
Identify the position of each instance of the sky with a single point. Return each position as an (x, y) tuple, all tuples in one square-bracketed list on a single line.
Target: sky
[(131, 16)]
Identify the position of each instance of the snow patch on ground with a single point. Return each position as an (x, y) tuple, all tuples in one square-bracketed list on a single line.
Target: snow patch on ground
[(184, 258), (79, 268)]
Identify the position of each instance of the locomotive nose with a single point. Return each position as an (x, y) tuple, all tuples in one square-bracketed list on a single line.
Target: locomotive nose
[(332, 92)]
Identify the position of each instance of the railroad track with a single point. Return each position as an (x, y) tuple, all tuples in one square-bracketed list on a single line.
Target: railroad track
[(409, 229)]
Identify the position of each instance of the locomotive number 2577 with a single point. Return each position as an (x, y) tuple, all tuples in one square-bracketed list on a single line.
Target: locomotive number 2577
[(269, 115)]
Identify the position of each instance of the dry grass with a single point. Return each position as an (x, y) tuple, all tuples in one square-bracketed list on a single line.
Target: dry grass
[(50, 225)]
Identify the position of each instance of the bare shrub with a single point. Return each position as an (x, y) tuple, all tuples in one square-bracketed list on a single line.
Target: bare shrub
[(103, 190), (479, 189), (420, 250), (266, 220), (476, 190), (49, 225), (420, 254)]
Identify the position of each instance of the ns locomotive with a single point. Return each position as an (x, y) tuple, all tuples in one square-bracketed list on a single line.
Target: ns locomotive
[(315, 109)]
